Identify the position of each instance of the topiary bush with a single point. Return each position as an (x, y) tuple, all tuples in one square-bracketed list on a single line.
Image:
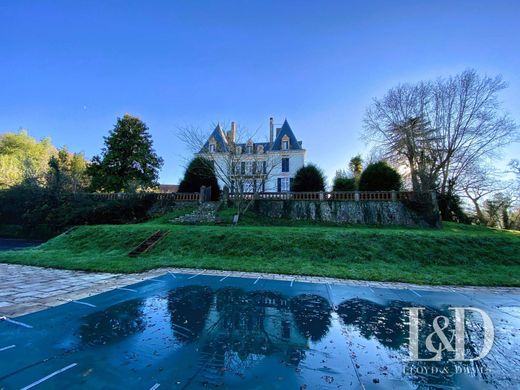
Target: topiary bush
[(200, 173), (380, 176), (344, 184), (308, 178)]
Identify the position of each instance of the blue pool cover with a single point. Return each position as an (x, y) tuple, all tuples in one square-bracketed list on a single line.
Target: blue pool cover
[(197, 331)]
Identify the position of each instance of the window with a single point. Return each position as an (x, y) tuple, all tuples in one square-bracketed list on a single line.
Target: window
[(285, 164), (259, 149), (285, 145), (286, 330), (249, 149), (243, 168), (248, 186), (249, 167), (285, 184), (212, 148)]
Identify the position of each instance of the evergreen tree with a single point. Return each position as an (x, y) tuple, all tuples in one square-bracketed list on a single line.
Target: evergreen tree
[(200, 173), (308, 178), (128, 161), (379, 176)]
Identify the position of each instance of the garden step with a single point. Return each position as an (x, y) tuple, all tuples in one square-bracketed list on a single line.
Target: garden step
[(148, 243), (206, 212)]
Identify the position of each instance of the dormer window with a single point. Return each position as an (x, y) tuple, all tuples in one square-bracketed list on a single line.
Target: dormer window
[(259, 149), (212, 148), (285, 145), (249, 149)]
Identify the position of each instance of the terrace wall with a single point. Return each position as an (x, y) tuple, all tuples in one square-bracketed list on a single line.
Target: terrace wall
[(406, 209)]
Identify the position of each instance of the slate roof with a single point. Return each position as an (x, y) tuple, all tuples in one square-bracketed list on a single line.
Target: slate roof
[(286, 131), (220, 139), (222, 143)]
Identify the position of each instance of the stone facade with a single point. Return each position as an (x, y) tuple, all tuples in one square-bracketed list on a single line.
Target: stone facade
[(255, 166)]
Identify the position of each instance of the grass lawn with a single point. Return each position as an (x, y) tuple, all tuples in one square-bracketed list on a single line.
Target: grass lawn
[(456, 254)]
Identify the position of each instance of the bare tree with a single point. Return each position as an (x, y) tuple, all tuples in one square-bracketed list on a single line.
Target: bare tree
[(515, 168), (478, 183), (243, 167), (465, 124)]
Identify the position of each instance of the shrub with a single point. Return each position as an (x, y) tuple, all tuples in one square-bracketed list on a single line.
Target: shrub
[(200, 173), (344, 184), (32, 211), (379, 176), (308, 178)]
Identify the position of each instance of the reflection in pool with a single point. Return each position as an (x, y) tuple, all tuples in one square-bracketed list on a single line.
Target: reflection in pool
[(190, 335)]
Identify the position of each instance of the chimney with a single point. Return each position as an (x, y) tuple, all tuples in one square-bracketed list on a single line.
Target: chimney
[(233, 132), (271, 129)]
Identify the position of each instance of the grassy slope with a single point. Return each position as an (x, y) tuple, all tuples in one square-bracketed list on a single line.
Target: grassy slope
[(457, 254)]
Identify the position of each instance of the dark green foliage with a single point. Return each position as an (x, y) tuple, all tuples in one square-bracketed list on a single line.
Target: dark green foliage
[(450, 206), (308, 178), (379, 176), (344, 184), (128, 161), (67, 172), (200, 173), (40, 213)]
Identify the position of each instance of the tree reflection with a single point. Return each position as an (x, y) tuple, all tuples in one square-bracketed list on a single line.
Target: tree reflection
[(384, 322), (189, 307), (312, 314), (113, 324)]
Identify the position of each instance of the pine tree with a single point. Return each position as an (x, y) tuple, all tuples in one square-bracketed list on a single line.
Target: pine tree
[(128, 161)]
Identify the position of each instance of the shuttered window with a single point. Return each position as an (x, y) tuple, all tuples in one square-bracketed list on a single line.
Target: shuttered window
[(285, 164)]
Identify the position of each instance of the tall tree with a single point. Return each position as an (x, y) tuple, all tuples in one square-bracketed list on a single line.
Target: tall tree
[(128, 161), (478, 183), (23, 158), (465, 124), (67, 172), (355, 166)]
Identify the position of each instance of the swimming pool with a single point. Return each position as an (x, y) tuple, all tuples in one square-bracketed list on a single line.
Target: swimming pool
[(7, 244), (200, 331)]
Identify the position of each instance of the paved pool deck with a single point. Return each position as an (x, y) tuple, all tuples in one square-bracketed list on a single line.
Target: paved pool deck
[(27, 289)]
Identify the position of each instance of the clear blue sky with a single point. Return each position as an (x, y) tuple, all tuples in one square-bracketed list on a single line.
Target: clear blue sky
[(69, 68)]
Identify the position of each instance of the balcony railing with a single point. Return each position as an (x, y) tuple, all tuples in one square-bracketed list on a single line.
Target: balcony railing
[(335, 195), (174, 196)]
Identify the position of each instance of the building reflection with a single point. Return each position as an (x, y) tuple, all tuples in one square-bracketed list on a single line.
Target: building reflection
[(232, 330)]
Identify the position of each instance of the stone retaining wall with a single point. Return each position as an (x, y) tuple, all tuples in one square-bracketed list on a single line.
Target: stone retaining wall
[(407, 213)]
